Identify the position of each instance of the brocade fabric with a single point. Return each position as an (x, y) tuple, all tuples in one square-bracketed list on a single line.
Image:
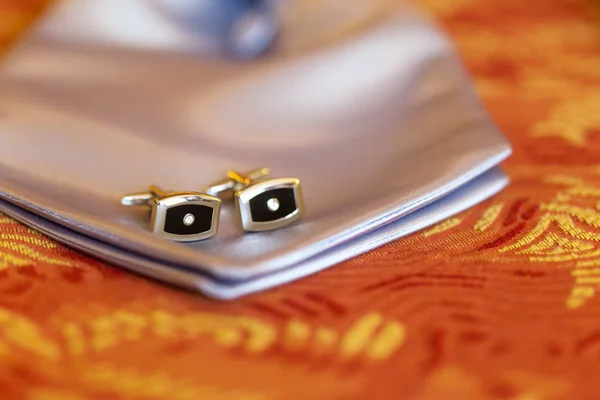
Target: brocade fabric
[(498, 302)]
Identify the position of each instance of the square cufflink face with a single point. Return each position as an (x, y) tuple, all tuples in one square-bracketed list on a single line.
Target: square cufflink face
[(186, 217), (270, 204)]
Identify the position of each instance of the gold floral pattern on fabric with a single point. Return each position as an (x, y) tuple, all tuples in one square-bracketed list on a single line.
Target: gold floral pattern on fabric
[(498, 302)]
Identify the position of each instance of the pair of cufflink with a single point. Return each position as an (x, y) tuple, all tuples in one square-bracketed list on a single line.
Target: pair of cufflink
[(263, 204)]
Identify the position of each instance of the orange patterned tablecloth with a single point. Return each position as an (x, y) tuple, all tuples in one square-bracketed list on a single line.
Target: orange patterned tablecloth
[(498, 302)]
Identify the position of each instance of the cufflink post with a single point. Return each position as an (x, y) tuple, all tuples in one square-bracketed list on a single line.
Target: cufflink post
[(236, 181), (143, 198)]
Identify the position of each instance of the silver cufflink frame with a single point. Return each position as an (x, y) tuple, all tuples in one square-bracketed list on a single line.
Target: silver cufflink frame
[(179, 216), (263, 204)]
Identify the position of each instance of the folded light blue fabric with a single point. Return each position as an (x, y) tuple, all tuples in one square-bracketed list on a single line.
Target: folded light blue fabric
[(376, 127)]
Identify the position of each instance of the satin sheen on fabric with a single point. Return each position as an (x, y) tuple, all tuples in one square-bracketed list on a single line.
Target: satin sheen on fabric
[(376, 127), (467, 196)]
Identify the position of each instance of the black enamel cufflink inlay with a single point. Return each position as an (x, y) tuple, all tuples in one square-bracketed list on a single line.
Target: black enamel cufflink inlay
[(189, 220), (273, 205)]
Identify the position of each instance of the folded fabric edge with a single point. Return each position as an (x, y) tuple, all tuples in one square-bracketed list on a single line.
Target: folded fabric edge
[(284, 261), (463, 198)]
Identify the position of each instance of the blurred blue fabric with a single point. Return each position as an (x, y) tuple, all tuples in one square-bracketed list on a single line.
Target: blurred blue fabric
[(242, 28)]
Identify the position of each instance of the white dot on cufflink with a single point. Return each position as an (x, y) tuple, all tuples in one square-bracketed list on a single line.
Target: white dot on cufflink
[(189, 219), (273, 204)]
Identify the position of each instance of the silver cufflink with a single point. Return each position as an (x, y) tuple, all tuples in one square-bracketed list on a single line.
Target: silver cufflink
[(263, 204), (179, 216)]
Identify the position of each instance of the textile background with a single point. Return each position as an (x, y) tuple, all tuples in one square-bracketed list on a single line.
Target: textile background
[(499, 302)]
